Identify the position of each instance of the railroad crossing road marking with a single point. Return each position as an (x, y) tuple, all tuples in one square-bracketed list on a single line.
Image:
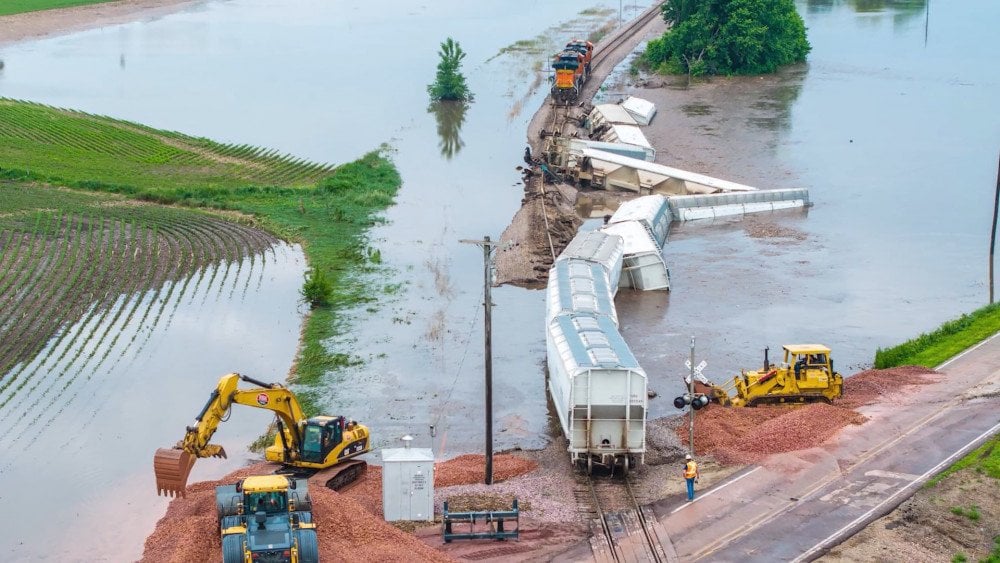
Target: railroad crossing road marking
[(858, 493), (891, 475)]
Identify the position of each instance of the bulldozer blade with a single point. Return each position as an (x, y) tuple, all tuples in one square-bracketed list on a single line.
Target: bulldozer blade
[(172, 467)]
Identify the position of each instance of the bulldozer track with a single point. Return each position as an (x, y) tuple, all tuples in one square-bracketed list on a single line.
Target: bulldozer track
[(622, 528)]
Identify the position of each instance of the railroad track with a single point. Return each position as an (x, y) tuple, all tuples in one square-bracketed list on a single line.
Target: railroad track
[(617, 39), (623, 531), (559, 114)]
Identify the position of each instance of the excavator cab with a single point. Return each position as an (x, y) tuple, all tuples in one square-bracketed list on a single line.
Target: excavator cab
[(319, 436)]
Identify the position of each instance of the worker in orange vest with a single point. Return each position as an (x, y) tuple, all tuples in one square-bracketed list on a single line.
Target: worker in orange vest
[(690, 475)]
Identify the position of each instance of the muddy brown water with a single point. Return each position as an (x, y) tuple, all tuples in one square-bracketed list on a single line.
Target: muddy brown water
[(890, 125)]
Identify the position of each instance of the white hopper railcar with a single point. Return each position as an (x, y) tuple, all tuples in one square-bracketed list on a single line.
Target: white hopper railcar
[(599, 247), (579, 286), (651, 211), (599, 391)]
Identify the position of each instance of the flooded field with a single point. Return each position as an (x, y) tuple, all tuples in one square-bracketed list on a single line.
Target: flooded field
[(113, 387), (890, 126)]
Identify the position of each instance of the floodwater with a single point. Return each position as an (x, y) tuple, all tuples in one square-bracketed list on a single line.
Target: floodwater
[(896, 243), (891, 126), (80, 444)]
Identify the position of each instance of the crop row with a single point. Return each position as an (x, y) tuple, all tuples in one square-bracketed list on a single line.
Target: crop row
[(74, 145)]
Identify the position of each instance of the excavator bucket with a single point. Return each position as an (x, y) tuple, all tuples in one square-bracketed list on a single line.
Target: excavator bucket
[(172, 467)]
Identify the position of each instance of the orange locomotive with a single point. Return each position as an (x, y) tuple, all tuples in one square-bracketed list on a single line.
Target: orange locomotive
[(572, 66)]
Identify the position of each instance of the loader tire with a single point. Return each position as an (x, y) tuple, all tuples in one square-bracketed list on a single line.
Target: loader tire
[(308, 546), (232, 549)]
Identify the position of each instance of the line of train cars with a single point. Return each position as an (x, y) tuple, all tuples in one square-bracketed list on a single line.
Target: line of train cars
[(572, 67), (596, 384)]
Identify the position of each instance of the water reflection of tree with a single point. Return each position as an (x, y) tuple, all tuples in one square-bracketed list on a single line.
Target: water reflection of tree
[(773, 111), (450, 116), (900, 10)]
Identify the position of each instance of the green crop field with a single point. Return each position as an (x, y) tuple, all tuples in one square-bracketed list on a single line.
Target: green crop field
[(8, 7), (94, 206)]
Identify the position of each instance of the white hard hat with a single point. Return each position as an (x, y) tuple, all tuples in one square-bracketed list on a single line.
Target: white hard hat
[(688, 456)]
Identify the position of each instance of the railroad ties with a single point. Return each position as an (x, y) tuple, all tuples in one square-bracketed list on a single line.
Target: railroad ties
[(621, 529)]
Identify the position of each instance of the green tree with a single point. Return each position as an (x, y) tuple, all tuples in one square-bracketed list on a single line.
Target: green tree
[(728, 37), (450, 84)]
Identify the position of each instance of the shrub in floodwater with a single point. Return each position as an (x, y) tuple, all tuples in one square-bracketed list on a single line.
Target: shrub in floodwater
[(450, 83), (317, 289)]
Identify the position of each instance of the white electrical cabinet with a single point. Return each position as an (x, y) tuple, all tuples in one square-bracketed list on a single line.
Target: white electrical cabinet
[(408, 484)]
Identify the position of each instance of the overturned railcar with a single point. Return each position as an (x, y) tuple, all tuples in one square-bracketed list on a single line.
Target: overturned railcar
[(601, 248), (599, 392), (651, 211)]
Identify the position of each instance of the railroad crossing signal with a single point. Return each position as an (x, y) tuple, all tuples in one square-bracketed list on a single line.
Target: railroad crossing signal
[(696, 400)]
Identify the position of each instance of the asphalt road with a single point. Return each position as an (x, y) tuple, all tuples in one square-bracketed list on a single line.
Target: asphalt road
[(796, 506)]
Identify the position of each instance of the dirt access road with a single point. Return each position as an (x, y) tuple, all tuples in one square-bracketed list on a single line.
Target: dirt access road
[(796, 506)]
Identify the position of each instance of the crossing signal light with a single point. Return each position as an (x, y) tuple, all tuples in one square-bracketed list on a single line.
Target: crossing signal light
[(697, 401)]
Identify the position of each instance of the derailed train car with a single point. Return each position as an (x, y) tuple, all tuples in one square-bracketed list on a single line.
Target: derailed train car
[(599, 391), (579, 286)]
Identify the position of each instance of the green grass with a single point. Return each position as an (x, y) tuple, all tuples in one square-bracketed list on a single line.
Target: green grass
[(984, 460), (328, 210), (932, 349), (8, 7)]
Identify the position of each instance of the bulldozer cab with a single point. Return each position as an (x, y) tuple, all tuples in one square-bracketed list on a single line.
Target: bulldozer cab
[(810, 363)]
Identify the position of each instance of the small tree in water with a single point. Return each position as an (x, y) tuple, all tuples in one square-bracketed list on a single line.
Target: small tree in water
[(450, 84), (728, 37), (317, 289)]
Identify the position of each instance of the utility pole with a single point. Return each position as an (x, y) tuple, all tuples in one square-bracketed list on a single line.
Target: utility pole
[(488, 247)]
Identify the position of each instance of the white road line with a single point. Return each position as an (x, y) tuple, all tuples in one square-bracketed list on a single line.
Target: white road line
[(947, 461), (983, 343), (891, 475), (713, 491)]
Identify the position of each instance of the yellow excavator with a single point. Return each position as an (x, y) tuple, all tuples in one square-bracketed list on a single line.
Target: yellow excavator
[(805, 375), (321, 447)]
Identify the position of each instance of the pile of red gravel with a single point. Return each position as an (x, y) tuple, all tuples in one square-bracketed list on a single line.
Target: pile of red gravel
[(747, 435), (349, 525)]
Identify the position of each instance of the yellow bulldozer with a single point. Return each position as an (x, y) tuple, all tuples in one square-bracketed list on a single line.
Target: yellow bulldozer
[(321, 447), (806, 374)]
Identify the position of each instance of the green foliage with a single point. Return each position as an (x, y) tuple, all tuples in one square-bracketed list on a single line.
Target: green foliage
[(959, 558), (450, 83), (952, 337), (317, 289), (972, 513), (994, 556), (728, 37), (8, 7), (985, 460)]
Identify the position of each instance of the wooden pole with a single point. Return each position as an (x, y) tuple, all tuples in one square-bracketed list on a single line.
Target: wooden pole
[(488, 247), (488, 305)]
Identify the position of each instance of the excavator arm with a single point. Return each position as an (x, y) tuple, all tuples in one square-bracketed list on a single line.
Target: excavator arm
[(173, 465)]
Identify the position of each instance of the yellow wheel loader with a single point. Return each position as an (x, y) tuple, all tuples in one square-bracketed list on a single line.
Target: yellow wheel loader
[(805, 374), (320, 446), (267, 518)]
